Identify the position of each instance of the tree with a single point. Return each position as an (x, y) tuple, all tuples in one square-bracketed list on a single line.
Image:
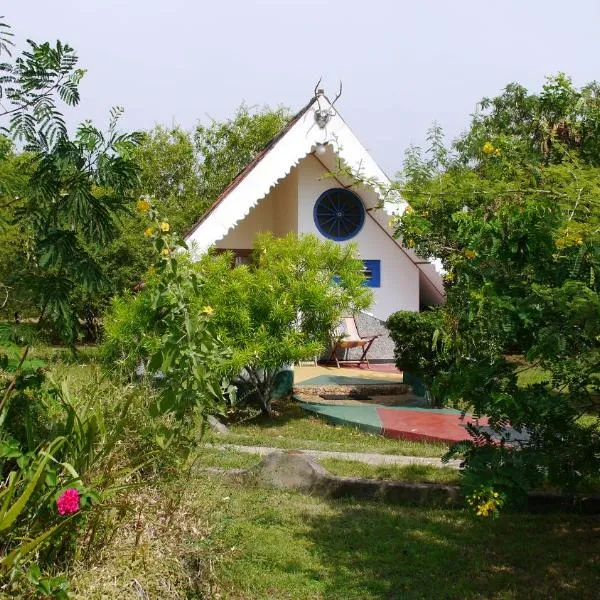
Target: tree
[(277, 310), (284, 306), (73, 189), (170, 172), (513, 212), (226, 147)]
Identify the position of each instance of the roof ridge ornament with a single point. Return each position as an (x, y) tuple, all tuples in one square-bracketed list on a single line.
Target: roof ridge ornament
[(323, 115)]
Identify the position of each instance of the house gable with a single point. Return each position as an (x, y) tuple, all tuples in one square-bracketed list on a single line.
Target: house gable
[(290, 171)]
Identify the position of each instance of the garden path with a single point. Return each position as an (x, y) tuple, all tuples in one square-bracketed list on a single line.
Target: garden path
[(371, 458)]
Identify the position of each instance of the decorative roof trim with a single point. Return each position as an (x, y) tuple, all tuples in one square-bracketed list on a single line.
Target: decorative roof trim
[(247, 169), (274, 163), (285, 151)]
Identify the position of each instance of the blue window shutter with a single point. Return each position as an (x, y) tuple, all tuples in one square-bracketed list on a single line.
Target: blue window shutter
[(372, 273)]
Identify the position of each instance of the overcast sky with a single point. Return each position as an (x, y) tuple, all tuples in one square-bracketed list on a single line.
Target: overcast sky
[(403, 64)]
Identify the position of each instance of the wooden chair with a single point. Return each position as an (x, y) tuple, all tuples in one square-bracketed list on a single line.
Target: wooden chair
[(348, 337)]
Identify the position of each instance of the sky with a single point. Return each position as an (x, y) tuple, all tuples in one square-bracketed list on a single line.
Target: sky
[(403, 64)]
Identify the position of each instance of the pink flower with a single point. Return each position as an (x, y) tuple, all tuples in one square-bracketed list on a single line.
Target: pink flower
[(68, 502)]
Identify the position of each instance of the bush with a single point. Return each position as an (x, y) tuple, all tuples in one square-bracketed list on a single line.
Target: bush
[(283, 306), (417, 349), (279, 309)]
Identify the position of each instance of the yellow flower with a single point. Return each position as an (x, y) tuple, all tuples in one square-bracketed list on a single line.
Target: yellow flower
[(470, 254), (164, 227), (497, 152), (488, 148), (148, 231), (165, 252), (208, 310), (410, 243), (143, 205)]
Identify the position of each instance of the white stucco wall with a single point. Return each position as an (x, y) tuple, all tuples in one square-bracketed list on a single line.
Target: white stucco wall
[(289, 207), (399, 288), (276, 212), (285, 205)]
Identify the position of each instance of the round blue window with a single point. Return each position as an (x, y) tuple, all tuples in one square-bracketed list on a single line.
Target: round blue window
[(339, 214)]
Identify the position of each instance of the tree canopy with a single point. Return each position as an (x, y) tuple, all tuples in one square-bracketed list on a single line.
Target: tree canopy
[(513, 211), (182, 171), (226, 147)]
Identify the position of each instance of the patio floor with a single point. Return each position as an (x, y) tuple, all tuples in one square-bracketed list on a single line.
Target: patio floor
[(401, 415), (322, 375)]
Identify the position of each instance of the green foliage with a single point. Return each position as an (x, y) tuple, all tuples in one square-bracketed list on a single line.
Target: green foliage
[(74, 197), (542, 128), (513, 212), (30, 87), (417, 346), (283, 306), (15, 169), (60, 201), (100, 442), (277, 310), (170, 172), (176, 168), (226, 147), (162, 330)]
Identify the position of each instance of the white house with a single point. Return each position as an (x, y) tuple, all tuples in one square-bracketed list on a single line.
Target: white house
[(316, 177)]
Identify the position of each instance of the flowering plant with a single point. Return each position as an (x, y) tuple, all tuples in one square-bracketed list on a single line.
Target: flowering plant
[(486, 502), (68, 502)]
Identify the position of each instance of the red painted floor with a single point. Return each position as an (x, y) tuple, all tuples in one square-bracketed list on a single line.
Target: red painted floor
[(398, 422), (424, 425)]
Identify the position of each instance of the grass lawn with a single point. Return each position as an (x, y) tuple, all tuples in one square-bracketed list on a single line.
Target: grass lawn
[(230, 459), (249, 543), (408, 473), (195, 534), (297, 429), (227, 459)]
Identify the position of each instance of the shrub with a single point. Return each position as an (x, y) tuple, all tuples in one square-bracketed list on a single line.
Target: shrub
[(417, 348), (283, 306), (279, 309)]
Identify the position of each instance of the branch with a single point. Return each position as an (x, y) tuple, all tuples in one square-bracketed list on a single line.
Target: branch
[(6, 288), (33, 100)]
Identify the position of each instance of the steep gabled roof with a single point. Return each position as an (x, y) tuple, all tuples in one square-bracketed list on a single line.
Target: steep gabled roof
[(273, 163), (242, 174)]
